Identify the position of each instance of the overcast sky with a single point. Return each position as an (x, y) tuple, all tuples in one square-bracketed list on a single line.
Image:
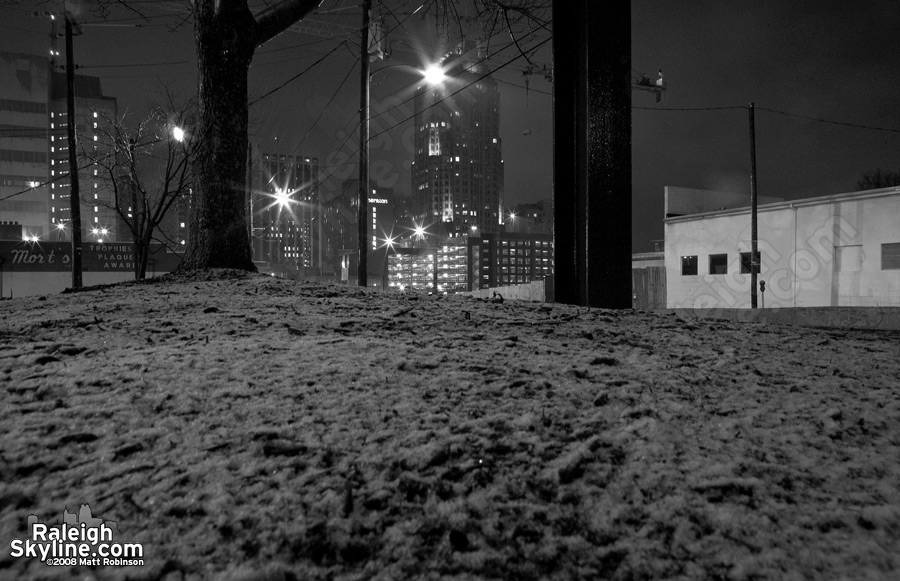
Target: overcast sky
[(808, 66)]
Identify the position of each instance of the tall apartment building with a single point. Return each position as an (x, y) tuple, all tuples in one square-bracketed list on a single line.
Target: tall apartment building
[(285, 212), (99, 220), (34, 162), (457, 172)]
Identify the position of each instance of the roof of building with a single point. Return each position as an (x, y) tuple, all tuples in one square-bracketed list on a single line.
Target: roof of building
[(787, 204)]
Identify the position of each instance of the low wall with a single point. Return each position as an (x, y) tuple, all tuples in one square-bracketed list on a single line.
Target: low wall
[(26, 284), (532, 291), (41, 268)]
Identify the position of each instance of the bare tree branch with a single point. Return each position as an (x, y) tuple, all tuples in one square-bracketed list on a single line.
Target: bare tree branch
[(279, 17)]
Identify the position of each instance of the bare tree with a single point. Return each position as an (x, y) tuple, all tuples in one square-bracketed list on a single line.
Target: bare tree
[(147, 167), (876, 179)]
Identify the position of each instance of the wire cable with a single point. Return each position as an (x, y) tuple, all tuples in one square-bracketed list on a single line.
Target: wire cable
[(298, 75), (829, 121), (454, 93)]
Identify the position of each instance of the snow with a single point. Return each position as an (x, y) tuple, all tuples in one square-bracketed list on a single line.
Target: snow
[(249, 428)]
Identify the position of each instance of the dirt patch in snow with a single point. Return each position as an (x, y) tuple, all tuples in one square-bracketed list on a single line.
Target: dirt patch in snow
[(243, 427)]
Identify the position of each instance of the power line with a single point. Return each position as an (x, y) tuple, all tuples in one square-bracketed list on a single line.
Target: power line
[(298, 75), (461, 89), (785, 113), (327, 105), (136, 65), (829, 121), (477, 63), (691, 108)]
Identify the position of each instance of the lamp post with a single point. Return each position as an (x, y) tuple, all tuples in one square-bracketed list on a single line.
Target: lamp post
[(432, 75)]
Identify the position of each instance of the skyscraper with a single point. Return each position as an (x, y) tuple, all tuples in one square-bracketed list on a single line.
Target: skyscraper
[(457, 172)]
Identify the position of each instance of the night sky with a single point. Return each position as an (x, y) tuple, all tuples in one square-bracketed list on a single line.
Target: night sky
[(815, 70)]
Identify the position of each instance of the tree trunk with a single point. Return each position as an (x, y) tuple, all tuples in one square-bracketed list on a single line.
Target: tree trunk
[(227, 34), (142, 256), (219, 237)]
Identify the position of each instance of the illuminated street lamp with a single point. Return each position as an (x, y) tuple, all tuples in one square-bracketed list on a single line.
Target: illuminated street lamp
[(60, 230), (178, 134), (420, 232), (282, 197), (388, 245), (433, 75), (99, 233)]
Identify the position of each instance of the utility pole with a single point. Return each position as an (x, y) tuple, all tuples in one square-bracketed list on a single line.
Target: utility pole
[(754, 249), (74, 192), (362, 219)]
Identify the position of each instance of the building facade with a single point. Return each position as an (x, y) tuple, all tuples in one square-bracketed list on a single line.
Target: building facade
[(412, 269), (488, 261), (838, 250), (502, 259), (34, 152), (24, 143), (536, 218), (99, 220), (457, 171)]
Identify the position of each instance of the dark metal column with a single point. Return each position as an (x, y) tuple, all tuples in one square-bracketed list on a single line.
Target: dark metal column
[(592, 152)]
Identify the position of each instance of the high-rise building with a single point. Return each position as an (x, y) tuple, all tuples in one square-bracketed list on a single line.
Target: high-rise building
[(285, 211), (341, 219), (380, 214), (457, 172), (34, 151), (99, 220)]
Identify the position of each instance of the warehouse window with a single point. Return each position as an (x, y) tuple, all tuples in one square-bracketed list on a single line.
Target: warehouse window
[(848, 258), (718, 264), (745, 262), (688, 265), (890, 256)]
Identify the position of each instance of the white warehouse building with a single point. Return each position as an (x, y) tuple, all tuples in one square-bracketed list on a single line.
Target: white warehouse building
[(838, 250)]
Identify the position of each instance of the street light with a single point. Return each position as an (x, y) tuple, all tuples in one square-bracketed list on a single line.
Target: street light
[(433, 74), (282, 197), (420, 232), (60, 229), (388, 246), (178, 134)]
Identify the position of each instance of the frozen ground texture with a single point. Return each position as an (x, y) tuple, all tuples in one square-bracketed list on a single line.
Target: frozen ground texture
[(248, 428)]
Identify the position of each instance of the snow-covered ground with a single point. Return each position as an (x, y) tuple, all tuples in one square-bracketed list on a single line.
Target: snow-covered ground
[(247, 428)]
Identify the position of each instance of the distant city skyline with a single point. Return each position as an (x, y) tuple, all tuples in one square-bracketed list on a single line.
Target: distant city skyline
[(822, 77)]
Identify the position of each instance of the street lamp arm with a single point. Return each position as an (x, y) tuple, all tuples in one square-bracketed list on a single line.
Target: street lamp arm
[(412, 68)]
